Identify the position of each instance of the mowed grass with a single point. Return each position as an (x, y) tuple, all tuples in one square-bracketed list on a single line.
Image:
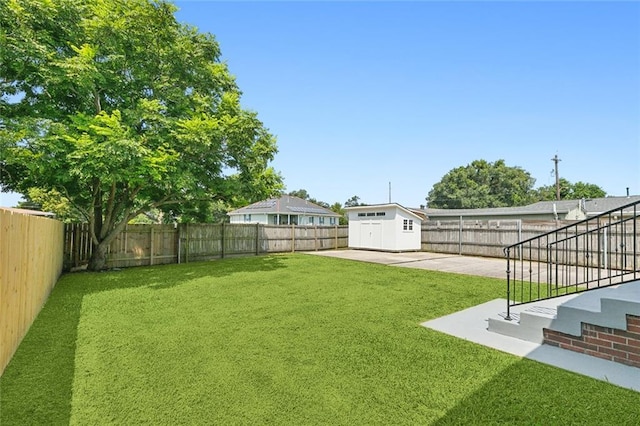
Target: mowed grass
[(285, 339)]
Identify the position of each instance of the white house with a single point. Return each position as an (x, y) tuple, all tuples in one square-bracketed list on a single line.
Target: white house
[(285, 210), (387, 227)]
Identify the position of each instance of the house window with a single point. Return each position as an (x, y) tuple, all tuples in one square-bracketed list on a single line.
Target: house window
[(362, 214), (380, 214), (321, 220), (407, 225), (311, 220), (247, 218), (332, 221), (371, 214)]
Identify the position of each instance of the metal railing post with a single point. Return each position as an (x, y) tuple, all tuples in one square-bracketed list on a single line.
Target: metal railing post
[(507, 252), (635, 246), (609, 253)]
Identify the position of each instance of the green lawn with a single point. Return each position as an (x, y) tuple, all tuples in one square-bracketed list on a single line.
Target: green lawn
[(288, 339)]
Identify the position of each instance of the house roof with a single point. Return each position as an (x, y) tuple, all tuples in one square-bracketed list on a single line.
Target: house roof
[(589, 206), (600, 205), (285, 204), (29, 212), (412, 212)]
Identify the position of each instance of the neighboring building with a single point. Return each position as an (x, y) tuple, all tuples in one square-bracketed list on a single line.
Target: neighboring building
[(29, 212), (285, 210), (386, 227), (540, 211)]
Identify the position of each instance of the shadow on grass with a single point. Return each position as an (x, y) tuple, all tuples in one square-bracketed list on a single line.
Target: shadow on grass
[(37, 385), (520, 395)]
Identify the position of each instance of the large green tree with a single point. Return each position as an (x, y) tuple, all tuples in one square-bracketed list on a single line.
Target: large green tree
[(121, 109), (482, 184), (569, 191)]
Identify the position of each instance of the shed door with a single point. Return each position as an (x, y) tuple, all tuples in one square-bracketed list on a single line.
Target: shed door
[(371, 235)]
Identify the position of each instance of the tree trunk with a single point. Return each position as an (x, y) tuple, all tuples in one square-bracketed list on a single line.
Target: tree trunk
[(98, 261)]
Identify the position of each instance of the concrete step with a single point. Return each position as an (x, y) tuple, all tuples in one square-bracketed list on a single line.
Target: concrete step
[(525, 324), (606, 308)]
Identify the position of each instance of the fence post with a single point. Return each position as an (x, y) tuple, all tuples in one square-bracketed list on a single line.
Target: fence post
[(460, 237), (315, 238), (186, 251), (293, 238), (151, 246), (257, 238), (126, 240), (336, 229), (76, 244), (179, 235), (222, 240), (520, 238)]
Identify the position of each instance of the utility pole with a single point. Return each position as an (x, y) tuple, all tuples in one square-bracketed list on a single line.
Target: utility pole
[(556, 160), (389, 192)]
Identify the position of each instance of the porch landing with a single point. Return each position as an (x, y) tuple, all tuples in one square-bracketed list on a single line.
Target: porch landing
[(472, 324)]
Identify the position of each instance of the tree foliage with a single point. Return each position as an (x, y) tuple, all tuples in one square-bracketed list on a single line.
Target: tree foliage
[(50, 201), (302, 193), (121, 109), (337, 208), (482, 184), (353, 202), (569, 191)]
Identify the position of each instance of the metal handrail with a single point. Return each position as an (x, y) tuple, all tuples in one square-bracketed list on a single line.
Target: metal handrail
[(593, 253)]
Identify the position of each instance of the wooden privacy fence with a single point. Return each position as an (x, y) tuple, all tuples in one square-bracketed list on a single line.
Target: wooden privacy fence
[(157, 244), (141, 245), (488, 238), (30, 264), (478, 238)]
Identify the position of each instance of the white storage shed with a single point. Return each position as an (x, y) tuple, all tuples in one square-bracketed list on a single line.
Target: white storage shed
[(386, 227)]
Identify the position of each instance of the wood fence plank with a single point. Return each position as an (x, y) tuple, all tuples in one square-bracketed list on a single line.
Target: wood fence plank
[(31, 260)]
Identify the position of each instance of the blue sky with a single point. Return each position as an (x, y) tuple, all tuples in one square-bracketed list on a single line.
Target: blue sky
[(360, 94)]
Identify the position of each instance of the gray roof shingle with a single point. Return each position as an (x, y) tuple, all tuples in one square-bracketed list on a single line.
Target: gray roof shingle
[(285, 204), (590, 206)]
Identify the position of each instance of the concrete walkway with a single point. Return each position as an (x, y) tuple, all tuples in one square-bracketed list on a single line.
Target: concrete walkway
[(471, 324), (481, 266)]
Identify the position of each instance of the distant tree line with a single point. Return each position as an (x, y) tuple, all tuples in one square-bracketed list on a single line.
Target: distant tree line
[(482, 184), (335, 207)]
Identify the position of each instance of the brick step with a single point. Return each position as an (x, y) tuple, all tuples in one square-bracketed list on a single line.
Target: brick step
[(620, 345)]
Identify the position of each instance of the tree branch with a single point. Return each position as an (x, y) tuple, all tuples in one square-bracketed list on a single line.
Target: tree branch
[(96, 101), (117, 229), (82, 211)]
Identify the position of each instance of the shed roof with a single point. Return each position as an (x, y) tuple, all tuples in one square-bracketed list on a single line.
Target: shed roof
[(285, 204)]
